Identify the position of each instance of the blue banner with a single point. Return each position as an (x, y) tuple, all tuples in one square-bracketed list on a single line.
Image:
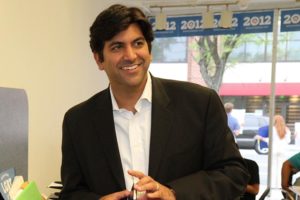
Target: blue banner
[(253, 22), (290, 20)]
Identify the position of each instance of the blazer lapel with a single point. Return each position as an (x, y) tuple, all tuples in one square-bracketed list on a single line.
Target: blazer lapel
[(160, 127), (160, 131), (104, 124)]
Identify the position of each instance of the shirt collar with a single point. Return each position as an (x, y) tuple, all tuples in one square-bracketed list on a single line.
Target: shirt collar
[(146, 95)]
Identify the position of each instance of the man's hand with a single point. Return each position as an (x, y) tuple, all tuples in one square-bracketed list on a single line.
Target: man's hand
[(116, 195), (152, 189)]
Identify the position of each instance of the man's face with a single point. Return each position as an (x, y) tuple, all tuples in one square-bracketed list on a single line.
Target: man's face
[(126, 59)]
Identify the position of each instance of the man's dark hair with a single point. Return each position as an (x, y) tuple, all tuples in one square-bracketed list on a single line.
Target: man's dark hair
[(112, 21)]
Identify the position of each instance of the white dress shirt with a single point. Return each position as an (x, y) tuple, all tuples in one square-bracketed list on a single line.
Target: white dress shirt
[(133, 133)]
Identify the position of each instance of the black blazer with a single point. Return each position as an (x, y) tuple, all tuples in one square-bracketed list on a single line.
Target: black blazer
[(192, 149)]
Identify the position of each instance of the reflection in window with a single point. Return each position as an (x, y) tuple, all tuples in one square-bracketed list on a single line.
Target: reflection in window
[(258, 48), (247, 74), (253, 48), (293, 50), (173, 49)]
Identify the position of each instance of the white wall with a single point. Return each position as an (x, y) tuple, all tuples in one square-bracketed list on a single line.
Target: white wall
[(286, 72), (44, 49)]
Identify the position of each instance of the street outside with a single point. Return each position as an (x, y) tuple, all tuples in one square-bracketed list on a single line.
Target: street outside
[(262, 161)]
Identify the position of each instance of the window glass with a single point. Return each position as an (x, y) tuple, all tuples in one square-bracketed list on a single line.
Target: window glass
[(173, 49), (245, 82), (269, 52), (294, 35), (237, 54), (293, 51), (251, 122), (254, 52), (281, 53)]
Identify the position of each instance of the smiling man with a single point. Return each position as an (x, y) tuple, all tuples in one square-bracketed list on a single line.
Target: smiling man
[(155, 138), (127, 59)]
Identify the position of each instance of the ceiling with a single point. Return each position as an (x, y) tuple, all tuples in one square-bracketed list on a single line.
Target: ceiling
[(190, 7)]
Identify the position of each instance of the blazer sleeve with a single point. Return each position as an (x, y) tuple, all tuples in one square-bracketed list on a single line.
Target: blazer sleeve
[(223, 174), (74, 185)]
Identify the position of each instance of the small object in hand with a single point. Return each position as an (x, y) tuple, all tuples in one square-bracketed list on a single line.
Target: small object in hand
[(133, 195)]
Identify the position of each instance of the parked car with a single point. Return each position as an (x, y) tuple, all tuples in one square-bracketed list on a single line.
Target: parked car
[(250, 128)]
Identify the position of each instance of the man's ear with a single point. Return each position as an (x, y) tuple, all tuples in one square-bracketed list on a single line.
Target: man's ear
[(98, 61)]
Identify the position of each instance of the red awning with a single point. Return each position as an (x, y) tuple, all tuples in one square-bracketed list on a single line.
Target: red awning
[(258, 89)]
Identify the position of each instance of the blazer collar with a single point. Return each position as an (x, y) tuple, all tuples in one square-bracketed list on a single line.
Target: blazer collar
[(160, 130)]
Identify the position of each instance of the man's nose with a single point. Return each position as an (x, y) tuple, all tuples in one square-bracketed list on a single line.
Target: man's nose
[(129, 53)]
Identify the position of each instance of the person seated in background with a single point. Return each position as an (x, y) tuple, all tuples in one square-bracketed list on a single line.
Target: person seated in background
[(263, 132), (290, 167), (252, 188)]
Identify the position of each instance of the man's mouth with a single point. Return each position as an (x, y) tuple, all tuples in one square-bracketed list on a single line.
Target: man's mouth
[(131, 67)]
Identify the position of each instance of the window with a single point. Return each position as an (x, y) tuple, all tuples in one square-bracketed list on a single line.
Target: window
[(167, 50), (258, 48)]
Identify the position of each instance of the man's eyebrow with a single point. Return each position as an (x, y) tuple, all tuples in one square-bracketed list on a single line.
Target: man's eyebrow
[(119, 42), (139, 38), (114, 43)]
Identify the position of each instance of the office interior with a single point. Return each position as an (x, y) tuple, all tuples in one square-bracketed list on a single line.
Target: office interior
[(45, 52)]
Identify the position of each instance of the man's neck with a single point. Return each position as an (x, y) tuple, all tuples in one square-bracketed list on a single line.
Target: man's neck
[(127, 100), (127, 97)]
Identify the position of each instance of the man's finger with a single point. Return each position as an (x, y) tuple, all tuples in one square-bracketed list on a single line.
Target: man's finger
[(137, 174)]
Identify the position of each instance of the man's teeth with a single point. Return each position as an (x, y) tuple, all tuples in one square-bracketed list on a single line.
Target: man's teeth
[(130, 67)]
